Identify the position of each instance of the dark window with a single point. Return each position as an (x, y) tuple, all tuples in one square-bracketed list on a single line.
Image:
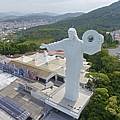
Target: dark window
[(61, 79), (42, 80)]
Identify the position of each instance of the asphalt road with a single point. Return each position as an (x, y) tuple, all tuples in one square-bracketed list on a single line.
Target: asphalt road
[(115, 52)]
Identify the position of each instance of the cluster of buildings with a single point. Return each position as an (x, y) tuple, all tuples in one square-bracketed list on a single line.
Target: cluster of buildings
[(39, 88), (7, 27), (116, 35)]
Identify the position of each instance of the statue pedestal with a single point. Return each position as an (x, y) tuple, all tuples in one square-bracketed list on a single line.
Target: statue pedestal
[(69, 107)]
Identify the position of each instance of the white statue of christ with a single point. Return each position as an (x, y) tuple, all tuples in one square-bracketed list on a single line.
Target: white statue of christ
[(73, 49)]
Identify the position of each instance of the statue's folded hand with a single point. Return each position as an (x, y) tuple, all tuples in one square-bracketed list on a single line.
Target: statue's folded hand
[(43, 46)]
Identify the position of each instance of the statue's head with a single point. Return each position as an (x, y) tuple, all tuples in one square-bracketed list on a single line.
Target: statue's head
[(72, 33)]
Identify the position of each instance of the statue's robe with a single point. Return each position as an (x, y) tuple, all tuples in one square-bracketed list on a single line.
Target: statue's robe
[(74, 63)]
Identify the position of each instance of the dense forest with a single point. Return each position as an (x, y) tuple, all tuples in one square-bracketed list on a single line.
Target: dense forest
[(28, 42), (105, 103)]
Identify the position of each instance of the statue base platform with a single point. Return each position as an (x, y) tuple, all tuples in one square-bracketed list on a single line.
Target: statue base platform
[(69, 107)]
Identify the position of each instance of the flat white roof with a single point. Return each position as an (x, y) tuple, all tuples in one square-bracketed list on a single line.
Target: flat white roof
[(54, 65), (6, 79), (5, 116), (38, 58)]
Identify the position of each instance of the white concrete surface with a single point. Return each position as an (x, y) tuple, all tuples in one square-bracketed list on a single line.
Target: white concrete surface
[(39, 58), (6, 79)]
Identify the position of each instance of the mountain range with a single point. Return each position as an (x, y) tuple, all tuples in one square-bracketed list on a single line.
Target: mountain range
[(102, 19), (105, 18), (36, 17)]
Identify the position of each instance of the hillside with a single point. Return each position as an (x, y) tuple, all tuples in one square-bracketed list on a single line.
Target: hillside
[(102, 19), (68, 15), (36, 17), (9, 15)]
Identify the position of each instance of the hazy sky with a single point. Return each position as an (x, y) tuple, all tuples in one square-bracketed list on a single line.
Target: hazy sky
[(56, 6)]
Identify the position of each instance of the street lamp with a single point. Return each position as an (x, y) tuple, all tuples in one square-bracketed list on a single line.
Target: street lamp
[(4, 44), (3, 39)]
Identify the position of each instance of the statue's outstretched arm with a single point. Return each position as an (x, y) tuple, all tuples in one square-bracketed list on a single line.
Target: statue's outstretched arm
[(54, 46)]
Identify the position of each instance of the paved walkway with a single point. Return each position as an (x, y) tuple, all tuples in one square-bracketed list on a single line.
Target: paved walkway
[(58, 116)]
